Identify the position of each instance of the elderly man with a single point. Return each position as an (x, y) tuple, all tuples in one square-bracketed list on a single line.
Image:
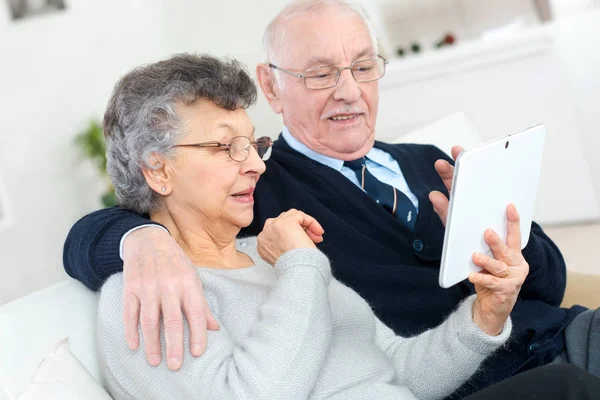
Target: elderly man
[(381, 206)]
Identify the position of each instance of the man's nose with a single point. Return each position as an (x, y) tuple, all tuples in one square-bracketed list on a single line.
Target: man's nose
[(347, 88)]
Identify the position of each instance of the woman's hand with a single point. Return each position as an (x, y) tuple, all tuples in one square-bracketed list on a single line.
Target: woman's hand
[(498, 285), (292, 229)]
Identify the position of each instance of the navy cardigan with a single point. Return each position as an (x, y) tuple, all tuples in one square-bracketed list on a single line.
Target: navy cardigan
[(394, 269)]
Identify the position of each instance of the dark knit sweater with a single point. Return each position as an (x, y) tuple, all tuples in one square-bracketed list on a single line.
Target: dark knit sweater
[(394, 269)]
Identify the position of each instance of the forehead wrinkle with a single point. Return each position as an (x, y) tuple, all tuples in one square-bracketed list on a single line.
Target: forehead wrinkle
[(351, 38), (347, 41)]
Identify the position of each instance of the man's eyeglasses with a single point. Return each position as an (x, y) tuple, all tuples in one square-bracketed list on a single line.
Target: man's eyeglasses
[(239, 147), (367, 70)]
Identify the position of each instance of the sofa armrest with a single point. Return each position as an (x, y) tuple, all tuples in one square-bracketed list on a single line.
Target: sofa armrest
[(582, 289)]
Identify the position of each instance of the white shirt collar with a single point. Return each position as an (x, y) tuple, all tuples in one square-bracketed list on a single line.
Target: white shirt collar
[(378, 156)]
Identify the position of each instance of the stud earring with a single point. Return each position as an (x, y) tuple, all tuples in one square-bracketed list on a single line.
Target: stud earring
[(163, 189)]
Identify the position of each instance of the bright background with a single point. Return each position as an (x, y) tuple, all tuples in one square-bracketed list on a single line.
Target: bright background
[(57, 71)]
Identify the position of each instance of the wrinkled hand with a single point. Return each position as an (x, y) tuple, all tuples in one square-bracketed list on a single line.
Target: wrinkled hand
[(446, 171), (292, 229), (498, 285), (160, 278)]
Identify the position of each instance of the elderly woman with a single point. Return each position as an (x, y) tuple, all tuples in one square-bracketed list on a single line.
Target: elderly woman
[(182, 149)]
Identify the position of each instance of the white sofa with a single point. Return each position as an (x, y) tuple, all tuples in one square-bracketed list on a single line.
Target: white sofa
[(32, 325)]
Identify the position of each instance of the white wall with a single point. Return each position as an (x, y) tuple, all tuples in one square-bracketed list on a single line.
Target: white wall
[(578, 41), (57, 71), (425, 22), (548, 74), (225, 28), (503, 87)]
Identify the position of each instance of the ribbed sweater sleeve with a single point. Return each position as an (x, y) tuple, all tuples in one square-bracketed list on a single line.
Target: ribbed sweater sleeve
[(439, 360), (91, 250)]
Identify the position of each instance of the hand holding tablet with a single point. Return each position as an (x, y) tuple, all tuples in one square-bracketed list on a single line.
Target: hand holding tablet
[(484, 182)]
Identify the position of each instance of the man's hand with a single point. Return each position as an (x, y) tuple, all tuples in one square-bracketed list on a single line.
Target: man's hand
[(500, 282), (160, 278), (446, 171)]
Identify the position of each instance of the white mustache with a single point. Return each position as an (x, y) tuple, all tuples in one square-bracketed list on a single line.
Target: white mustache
[(344, 110)]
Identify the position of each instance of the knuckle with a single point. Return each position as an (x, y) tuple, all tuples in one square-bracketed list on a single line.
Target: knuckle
[(192, 285), (171, 288), (132, 286), (129, 313), (152, 351), (174, 349), (196, 315), (173, 323), (149, 322), (149, 288), (494, 282)]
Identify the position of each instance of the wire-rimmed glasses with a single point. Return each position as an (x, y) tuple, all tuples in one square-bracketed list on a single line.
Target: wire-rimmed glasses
[(366, 70), (239, 147)]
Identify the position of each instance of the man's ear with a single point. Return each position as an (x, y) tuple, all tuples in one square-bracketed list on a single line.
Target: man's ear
[(157, 176), (267, 81)]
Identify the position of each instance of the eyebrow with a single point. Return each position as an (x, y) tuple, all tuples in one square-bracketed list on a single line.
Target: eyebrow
[(317, 61), (364, 53), (227, 125)]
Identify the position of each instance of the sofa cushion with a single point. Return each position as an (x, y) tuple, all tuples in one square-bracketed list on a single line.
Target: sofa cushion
[(61, 376), (32, 325)]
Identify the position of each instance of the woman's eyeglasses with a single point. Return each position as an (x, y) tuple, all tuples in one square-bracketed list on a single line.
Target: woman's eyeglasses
[(239, 147)]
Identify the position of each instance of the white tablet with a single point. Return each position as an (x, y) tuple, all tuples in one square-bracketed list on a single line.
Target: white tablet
[(487, 178)]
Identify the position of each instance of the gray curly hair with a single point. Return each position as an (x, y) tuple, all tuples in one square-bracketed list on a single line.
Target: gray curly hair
[(141, 116)]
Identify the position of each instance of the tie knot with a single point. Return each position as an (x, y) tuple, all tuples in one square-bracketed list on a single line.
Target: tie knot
[(355, 165)]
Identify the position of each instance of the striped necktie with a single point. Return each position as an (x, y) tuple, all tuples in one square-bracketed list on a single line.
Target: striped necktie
[(393, 200)]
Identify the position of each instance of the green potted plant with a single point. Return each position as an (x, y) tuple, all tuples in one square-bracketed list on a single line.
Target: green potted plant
[(91, 142)]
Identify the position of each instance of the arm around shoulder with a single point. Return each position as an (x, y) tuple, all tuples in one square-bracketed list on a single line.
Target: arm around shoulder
[(281, 356), (91, 250)]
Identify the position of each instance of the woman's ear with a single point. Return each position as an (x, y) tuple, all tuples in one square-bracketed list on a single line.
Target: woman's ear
[(269, 85), (157, 176)]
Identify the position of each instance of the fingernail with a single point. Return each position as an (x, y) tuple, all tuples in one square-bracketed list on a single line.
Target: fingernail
[(174, 363), (154, 360), (133, 344)]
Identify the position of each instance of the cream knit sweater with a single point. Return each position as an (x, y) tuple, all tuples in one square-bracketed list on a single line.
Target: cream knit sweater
[(293, 332)]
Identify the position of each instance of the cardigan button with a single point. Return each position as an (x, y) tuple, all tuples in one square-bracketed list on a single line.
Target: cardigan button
[(418, 245), (533, 347)]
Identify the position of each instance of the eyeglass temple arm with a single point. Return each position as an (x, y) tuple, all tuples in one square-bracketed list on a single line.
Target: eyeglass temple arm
[(207, 144), (286, 71)]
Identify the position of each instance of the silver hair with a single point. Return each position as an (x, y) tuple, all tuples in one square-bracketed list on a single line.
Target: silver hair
[(141, 116), (275, 33)]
